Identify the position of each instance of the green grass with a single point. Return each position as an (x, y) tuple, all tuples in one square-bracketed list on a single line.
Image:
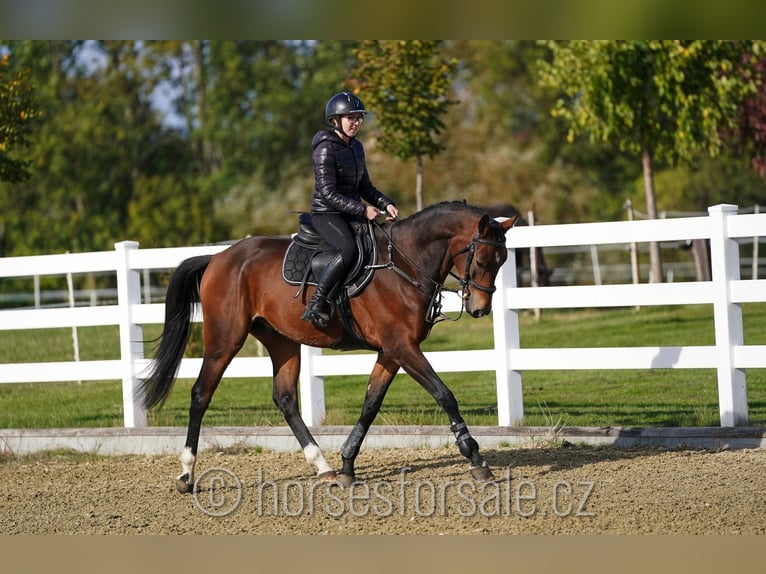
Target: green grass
[(659, 397)]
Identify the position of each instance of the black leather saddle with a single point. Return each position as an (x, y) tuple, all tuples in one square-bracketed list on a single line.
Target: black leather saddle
[(308, 254)]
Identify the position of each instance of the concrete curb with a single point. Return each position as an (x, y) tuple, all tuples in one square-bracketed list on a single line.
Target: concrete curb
[(170, 440)]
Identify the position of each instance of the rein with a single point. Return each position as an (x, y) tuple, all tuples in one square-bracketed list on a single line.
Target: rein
[(434, 313)]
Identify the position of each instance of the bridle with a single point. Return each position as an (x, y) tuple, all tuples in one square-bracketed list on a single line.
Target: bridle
[(434, 314), (466, 281)]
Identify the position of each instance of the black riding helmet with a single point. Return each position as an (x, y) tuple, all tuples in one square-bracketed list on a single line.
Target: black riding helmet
[(342, 104)]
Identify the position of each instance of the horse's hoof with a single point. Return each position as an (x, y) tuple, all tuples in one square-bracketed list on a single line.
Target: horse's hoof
[(328, 476), (346, 480), (183, 486), (482, 473)]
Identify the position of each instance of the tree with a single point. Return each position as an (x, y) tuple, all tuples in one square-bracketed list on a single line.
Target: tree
[(107, 164), (407, 84), (665, 100), (748, 138), (251, 108), (17, 108), (518, 151), (100, 147)]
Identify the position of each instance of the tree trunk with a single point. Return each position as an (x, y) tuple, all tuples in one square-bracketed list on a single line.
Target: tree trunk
[(206, 153), (419, 184), (655, 261)]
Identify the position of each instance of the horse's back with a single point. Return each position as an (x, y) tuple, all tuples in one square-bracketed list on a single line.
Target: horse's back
[(261, 248), (255, 254)]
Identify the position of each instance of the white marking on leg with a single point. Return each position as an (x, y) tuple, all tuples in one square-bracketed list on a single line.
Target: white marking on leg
[(187, 463), (314, 456)]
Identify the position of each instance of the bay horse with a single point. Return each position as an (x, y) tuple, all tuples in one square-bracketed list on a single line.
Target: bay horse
[(242, 292)]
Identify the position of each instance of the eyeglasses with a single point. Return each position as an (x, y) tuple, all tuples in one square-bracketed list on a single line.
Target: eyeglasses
[(355, 119)]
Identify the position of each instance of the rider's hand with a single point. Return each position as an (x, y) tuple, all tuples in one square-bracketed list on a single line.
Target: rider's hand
[(371, 212), (392, 212)]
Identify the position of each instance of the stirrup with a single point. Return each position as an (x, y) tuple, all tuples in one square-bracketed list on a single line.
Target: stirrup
[(315, 315), (317, 318)]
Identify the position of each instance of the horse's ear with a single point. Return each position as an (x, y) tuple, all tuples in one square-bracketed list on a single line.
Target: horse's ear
[(484, 223), (508, 223)]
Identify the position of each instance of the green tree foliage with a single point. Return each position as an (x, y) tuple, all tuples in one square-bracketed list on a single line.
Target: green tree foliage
[(17, 109), (664, 100), (749, 135), (100, 142), (518, 150), (407, 84), (671, 97), (251, 109)]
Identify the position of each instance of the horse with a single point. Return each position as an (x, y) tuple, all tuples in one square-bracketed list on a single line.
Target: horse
[(241, 292), (543, 272)]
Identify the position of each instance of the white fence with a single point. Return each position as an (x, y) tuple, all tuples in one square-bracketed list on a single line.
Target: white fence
[(729, 356)]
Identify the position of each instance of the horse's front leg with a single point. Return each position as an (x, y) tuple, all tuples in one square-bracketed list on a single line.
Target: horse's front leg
[(418, 367), (380, 379)]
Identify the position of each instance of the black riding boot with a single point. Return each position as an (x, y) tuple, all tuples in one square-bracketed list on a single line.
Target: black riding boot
[(331, 276)]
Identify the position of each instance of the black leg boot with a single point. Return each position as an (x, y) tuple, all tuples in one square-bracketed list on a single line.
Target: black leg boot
[(331, 276)]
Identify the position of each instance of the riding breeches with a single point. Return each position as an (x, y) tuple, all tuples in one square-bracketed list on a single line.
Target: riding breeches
[(334, 229)]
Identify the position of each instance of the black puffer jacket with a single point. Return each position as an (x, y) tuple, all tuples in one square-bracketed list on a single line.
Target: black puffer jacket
[(341, 177)]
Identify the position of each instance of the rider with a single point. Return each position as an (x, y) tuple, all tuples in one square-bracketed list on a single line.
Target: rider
[(341, 182)]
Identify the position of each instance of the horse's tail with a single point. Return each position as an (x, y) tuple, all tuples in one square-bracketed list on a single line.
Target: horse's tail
[(180, 299)]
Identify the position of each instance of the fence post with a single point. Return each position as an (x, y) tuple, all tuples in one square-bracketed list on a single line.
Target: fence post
[(724, 256), (311, 388), (595, 264), (131, 335), (505, 325), (534, 259), (72, 305), (754, 265)]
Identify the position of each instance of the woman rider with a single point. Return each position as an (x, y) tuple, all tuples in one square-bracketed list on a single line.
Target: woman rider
[(341, 182)]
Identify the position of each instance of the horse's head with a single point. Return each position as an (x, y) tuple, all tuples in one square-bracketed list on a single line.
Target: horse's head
[(479, 262)]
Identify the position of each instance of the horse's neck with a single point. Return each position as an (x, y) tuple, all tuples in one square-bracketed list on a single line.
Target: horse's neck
[(426, 247)]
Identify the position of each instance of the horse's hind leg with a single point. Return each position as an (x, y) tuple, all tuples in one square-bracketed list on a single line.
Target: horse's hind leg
[(380, 379), (221, 345), (286, 358)]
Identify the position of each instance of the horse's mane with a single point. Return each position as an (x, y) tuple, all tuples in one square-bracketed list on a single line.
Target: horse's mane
[(438, 210)]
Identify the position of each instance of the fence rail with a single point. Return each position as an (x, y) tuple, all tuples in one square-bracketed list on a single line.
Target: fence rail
[(726, 292)]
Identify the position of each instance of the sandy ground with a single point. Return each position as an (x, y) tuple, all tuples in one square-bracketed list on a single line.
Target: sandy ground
[(538, 490)]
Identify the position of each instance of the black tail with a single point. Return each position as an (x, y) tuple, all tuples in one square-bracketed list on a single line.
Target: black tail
[(181, 297)]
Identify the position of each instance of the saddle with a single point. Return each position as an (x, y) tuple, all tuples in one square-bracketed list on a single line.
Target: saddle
[(308, 254)]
